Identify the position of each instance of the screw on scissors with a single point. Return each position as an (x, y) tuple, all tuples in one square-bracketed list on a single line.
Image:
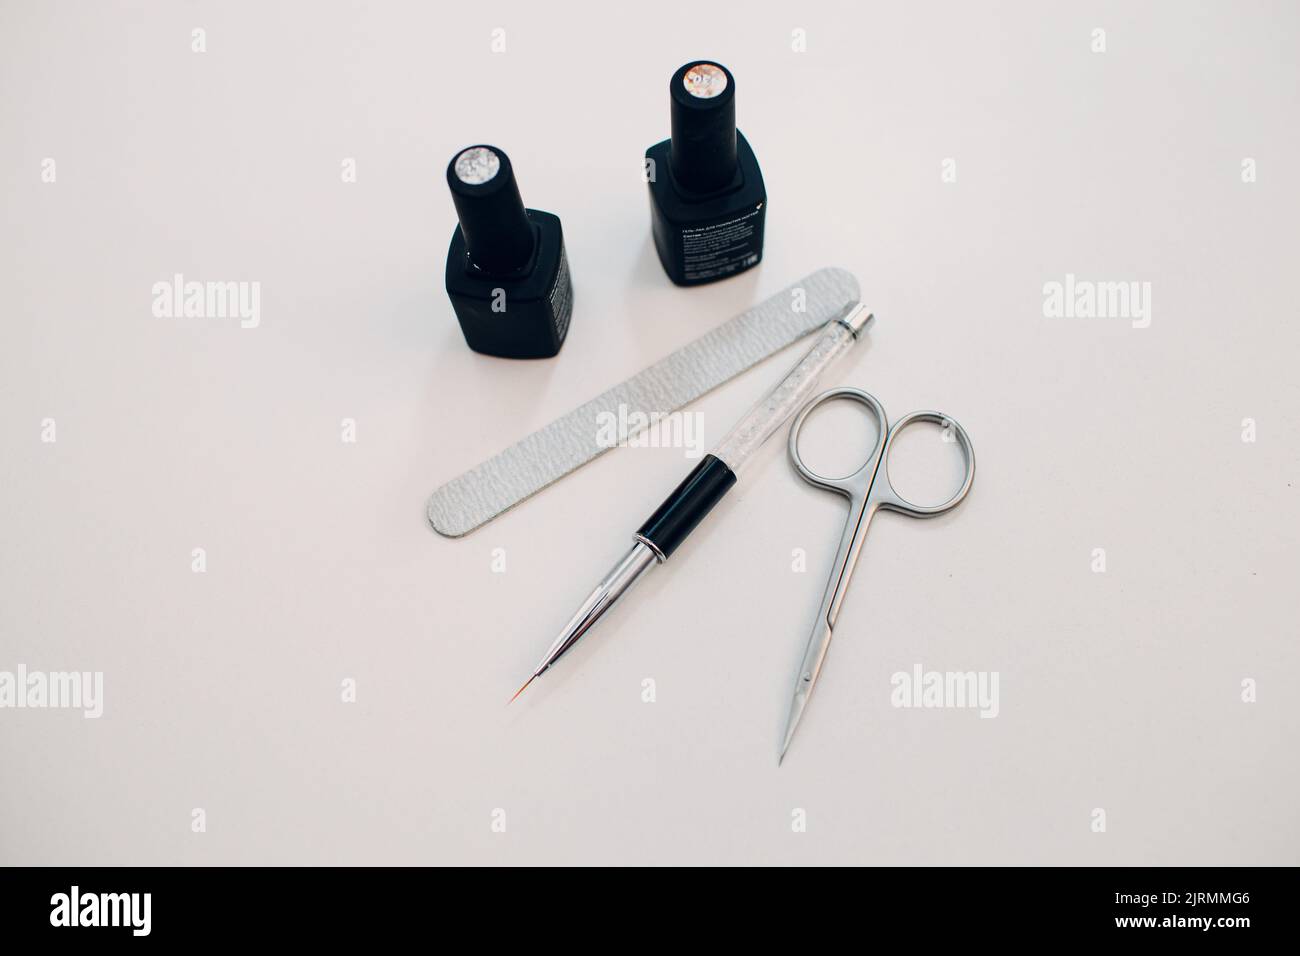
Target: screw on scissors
[(868, 490)]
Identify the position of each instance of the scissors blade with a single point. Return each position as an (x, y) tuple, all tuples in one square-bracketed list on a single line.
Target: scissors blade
[(819, 641), (818, 644)]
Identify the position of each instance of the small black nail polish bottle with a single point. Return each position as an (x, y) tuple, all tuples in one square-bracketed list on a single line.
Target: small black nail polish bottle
[(507, 274), (707, 201)]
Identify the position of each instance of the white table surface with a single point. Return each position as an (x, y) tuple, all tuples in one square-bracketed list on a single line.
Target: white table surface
[(1119, 691)]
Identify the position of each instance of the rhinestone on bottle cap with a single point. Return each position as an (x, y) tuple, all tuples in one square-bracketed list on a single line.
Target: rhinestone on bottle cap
[(705, 81), (477, 165)]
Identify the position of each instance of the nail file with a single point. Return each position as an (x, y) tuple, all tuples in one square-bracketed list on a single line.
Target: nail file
[(548, 454)]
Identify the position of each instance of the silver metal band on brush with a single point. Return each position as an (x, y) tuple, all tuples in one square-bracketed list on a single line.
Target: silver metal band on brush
[(551, 452)]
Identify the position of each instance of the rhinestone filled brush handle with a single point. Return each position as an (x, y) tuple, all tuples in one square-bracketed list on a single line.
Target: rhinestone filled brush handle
[(779, 405)]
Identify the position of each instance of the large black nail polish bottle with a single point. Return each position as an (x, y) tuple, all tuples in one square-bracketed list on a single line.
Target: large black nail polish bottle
[(707, 201), (507, 275)]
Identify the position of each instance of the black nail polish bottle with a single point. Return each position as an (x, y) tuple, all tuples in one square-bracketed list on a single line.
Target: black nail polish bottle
[(707, 201), (507, 275)]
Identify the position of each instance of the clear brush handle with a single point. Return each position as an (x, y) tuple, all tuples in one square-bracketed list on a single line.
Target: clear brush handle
[(763, 420)]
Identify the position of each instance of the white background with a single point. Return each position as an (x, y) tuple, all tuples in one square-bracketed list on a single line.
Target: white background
[(1118, 690)]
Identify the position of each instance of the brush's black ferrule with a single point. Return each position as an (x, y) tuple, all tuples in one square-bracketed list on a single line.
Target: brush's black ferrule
[(686, 507)]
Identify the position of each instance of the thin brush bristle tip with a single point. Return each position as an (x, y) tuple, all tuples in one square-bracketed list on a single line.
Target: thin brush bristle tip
[(521, 690)]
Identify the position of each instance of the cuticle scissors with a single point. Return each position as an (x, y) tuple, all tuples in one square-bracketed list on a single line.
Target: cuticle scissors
[(868, 490)]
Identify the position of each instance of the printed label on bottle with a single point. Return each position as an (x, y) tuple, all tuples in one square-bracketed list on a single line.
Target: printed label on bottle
[(562, 297), (721, 248)]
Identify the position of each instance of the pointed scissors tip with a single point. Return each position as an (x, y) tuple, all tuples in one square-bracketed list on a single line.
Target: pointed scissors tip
[(796, 712)]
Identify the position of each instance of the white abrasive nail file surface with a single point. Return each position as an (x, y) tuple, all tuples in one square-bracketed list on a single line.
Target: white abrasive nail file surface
[(548, 454)]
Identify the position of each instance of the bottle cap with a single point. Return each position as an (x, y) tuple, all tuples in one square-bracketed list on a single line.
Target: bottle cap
[(703, 151), (498, 234)]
